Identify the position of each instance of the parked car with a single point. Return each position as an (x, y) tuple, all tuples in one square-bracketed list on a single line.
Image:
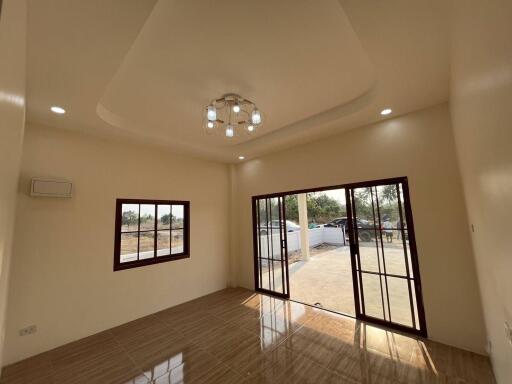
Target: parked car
[(273, 226), (365, 230), (337, 223)]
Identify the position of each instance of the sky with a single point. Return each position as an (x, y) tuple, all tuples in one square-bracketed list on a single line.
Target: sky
[(337, 194)]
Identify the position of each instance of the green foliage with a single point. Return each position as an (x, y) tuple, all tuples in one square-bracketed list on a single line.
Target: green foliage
[(166, 219), (321, 208), (130, 218), (147, 217), (387, 203)]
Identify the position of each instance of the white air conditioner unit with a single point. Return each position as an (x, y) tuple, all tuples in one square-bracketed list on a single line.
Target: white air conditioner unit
[(51, 188)]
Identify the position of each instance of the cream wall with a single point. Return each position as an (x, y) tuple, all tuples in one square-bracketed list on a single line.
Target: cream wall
[(62, 277), (481, 105), (420, 146), (13, 23)]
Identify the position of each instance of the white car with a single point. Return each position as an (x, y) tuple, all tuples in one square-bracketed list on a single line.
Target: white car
[(273, 226)]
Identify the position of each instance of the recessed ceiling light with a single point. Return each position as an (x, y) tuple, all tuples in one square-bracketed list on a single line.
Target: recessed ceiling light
[(58, 110), (386, 111), (241, 157)]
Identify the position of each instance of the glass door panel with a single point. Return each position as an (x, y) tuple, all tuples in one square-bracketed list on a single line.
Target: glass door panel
[(270, 245), (383, 251)]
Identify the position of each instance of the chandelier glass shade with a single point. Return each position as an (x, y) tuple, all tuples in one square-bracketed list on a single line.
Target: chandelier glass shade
[(232, 115)]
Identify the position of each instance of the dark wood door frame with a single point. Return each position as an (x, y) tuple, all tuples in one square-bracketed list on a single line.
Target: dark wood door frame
[(412, 282), (283, 246), (412, 245)]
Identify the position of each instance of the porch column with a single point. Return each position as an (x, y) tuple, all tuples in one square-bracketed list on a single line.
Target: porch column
[(303, 222)]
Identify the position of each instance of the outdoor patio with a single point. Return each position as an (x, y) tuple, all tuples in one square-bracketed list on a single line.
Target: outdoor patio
[(326, 278)]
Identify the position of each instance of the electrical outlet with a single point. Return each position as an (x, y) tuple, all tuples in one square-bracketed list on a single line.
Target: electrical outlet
[(28, 330), (508, 332), (488, 347)]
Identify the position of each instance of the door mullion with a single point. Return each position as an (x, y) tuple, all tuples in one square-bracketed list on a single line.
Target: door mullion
[(281, 250), (268, 243), (406, 257), (354, 240), (355, 284), (258, 233), (378, 258), (285, 250), (383, 253)]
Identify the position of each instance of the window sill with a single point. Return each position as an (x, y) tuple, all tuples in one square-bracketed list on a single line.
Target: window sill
[(142, 263)]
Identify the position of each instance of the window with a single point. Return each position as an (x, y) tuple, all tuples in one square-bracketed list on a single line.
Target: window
[(150, 232)]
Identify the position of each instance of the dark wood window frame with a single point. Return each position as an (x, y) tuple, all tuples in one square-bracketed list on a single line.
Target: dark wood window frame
[(118, 265)]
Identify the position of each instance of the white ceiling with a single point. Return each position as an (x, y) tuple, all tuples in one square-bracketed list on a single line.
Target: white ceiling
[(145, 69)]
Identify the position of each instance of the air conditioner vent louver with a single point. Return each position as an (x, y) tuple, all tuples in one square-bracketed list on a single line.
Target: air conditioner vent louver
[(51, 188)]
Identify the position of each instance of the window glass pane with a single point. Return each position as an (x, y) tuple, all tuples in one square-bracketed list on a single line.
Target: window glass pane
[(177, 216), (147, 216), (395, 257), (368, 256), (399, 301), (278, 277), (177, 241), (128, 247), (266, 274), (388, 208), (372, 296), (129, 217), (146, 245), (163, 243), (415, 305), (164, 216), (364, 209)]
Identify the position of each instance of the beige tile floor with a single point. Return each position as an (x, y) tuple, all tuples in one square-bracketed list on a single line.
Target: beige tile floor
[(237, 336)]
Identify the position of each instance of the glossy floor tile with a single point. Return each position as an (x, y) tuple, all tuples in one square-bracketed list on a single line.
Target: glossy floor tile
[(238, 336)]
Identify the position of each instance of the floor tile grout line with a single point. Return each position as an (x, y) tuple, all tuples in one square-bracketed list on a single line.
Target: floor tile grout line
[(135, 364)]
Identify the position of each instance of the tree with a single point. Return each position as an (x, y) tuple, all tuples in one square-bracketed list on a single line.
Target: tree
[(168, 218), (321, 208), (165, 219), (130, 218), (147, 217), (366, 203), (292, 208), (388, 193)]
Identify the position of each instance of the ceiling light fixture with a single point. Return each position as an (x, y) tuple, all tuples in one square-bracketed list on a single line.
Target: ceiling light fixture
[(230, 131), (211, 113), (58, 110), (241, 157), (386, 111), (231, 112)]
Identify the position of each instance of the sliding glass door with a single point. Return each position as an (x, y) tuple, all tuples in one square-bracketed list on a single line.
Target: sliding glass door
[(270, 246), (382, 265), (385, 272)]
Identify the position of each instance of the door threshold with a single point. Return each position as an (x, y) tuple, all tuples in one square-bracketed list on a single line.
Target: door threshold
[(323, 308)]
